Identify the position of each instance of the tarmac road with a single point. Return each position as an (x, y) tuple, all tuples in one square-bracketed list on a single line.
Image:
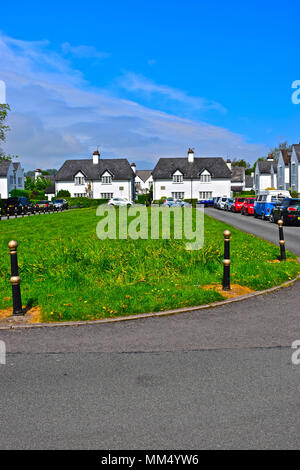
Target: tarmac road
[(219, 378)]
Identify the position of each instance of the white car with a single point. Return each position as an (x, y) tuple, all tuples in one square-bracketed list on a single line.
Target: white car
[(119, 201)]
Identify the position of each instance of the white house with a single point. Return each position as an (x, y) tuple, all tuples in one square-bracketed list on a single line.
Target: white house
[(143, 180), (11, 177), (283, 169), (191, 178), (265, 174), (295, 168), (97, 178)]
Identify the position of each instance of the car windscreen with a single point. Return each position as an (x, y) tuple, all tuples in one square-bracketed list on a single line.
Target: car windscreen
[(60, 201), (241, 199), (251, 201), (12, 200), (293, 202)]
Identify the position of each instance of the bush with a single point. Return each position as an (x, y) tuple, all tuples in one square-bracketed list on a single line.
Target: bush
[(20, 193), (64, 193), (294, 194), (84, 201)]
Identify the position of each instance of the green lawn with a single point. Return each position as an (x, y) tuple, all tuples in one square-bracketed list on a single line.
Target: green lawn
[(72, 275)]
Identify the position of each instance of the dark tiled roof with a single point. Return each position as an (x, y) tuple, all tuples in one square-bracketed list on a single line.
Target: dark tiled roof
[(236, 189), (4, 167), (297, 150), (16, 166), (118, 167), (238, 173), (286, 155), (249, 180), (144, 174), (264, 166), (165, 167)]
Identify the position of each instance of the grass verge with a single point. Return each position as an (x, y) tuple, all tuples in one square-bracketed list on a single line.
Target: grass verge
[(72, 275)]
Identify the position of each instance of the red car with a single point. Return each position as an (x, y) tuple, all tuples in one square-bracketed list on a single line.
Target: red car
[(248, 206), (237, 204)]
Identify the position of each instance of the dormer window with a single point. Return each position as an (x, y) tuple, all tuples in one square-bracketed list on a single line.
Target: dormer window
[(106, 179), (177, 177), (205, 177), (79, 180)]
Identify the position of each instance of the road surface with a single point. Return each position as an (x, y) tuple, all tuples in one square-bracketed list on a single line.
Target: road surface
[(219, 378)]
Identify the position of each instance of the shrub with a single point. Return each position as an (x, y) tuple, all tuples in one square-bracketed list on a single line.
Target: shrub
[(20, 193), (84, 201), (63, 193)]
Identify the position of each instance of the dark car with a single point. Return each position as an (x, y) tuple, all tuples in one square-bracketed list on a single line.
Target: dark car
[(288, 211), (18, 205)]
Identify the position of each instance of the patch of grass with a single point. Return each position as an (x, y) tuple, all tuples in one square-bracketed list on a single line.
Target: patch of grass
[(72, 275)]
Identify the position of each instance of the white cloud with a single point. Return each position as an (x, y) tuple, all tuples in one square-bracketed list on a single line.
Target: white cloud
[(83, 52), (57, 115), (135, 82)]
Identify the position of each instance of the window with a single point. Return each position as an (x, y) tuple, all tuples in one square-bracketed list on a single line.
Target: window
[(178, 195), (205, 195), (79, 180), (107, 195), (162, 188), (106, 179), (19, 182), (121, 188), (205, 178), (80, 195), (11, 180), (177, 179)]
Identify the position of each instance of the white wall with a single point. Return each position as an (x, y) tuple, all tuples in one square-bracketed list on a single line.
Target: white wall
[(191, 190), (97, 188), (3, 188)]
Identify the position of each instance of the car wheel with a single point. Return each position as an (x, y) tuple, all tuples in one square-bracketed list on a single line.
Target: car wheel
[(271, 218), (263, 217)]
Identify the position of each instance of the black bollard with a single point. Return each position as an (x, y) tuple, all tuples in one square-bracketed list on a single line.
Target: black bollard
[(226, 261), (15, 279), (281, 241)]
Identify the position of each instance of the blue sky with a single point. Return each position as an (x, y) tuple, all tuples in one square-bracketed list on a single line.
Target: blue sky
[(144, 80)]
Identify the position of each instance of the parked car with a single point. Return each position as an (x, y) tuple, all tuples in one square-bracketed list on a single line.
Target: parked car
[(221, 203), (228, 204), (60, 204), (288, 211), (119, 201), (168, 203), (19, 205), (44, 206), (206, 202), (216, 200), (248, 206), (181, 203), (237, 204), (267, 200)]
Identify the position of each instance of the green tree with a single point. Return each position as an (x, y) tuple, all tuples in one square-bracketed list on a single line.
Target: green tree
[(4, 128)]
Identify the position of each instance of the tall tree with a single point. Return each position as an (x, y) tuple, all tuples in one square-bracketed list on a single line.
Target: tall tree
[(4, 128)]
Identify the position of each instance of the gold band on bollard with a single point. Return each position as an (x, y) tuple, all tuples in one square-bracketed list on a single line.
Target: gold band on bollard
[(282, 242), (15, 280), (226, 262)]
